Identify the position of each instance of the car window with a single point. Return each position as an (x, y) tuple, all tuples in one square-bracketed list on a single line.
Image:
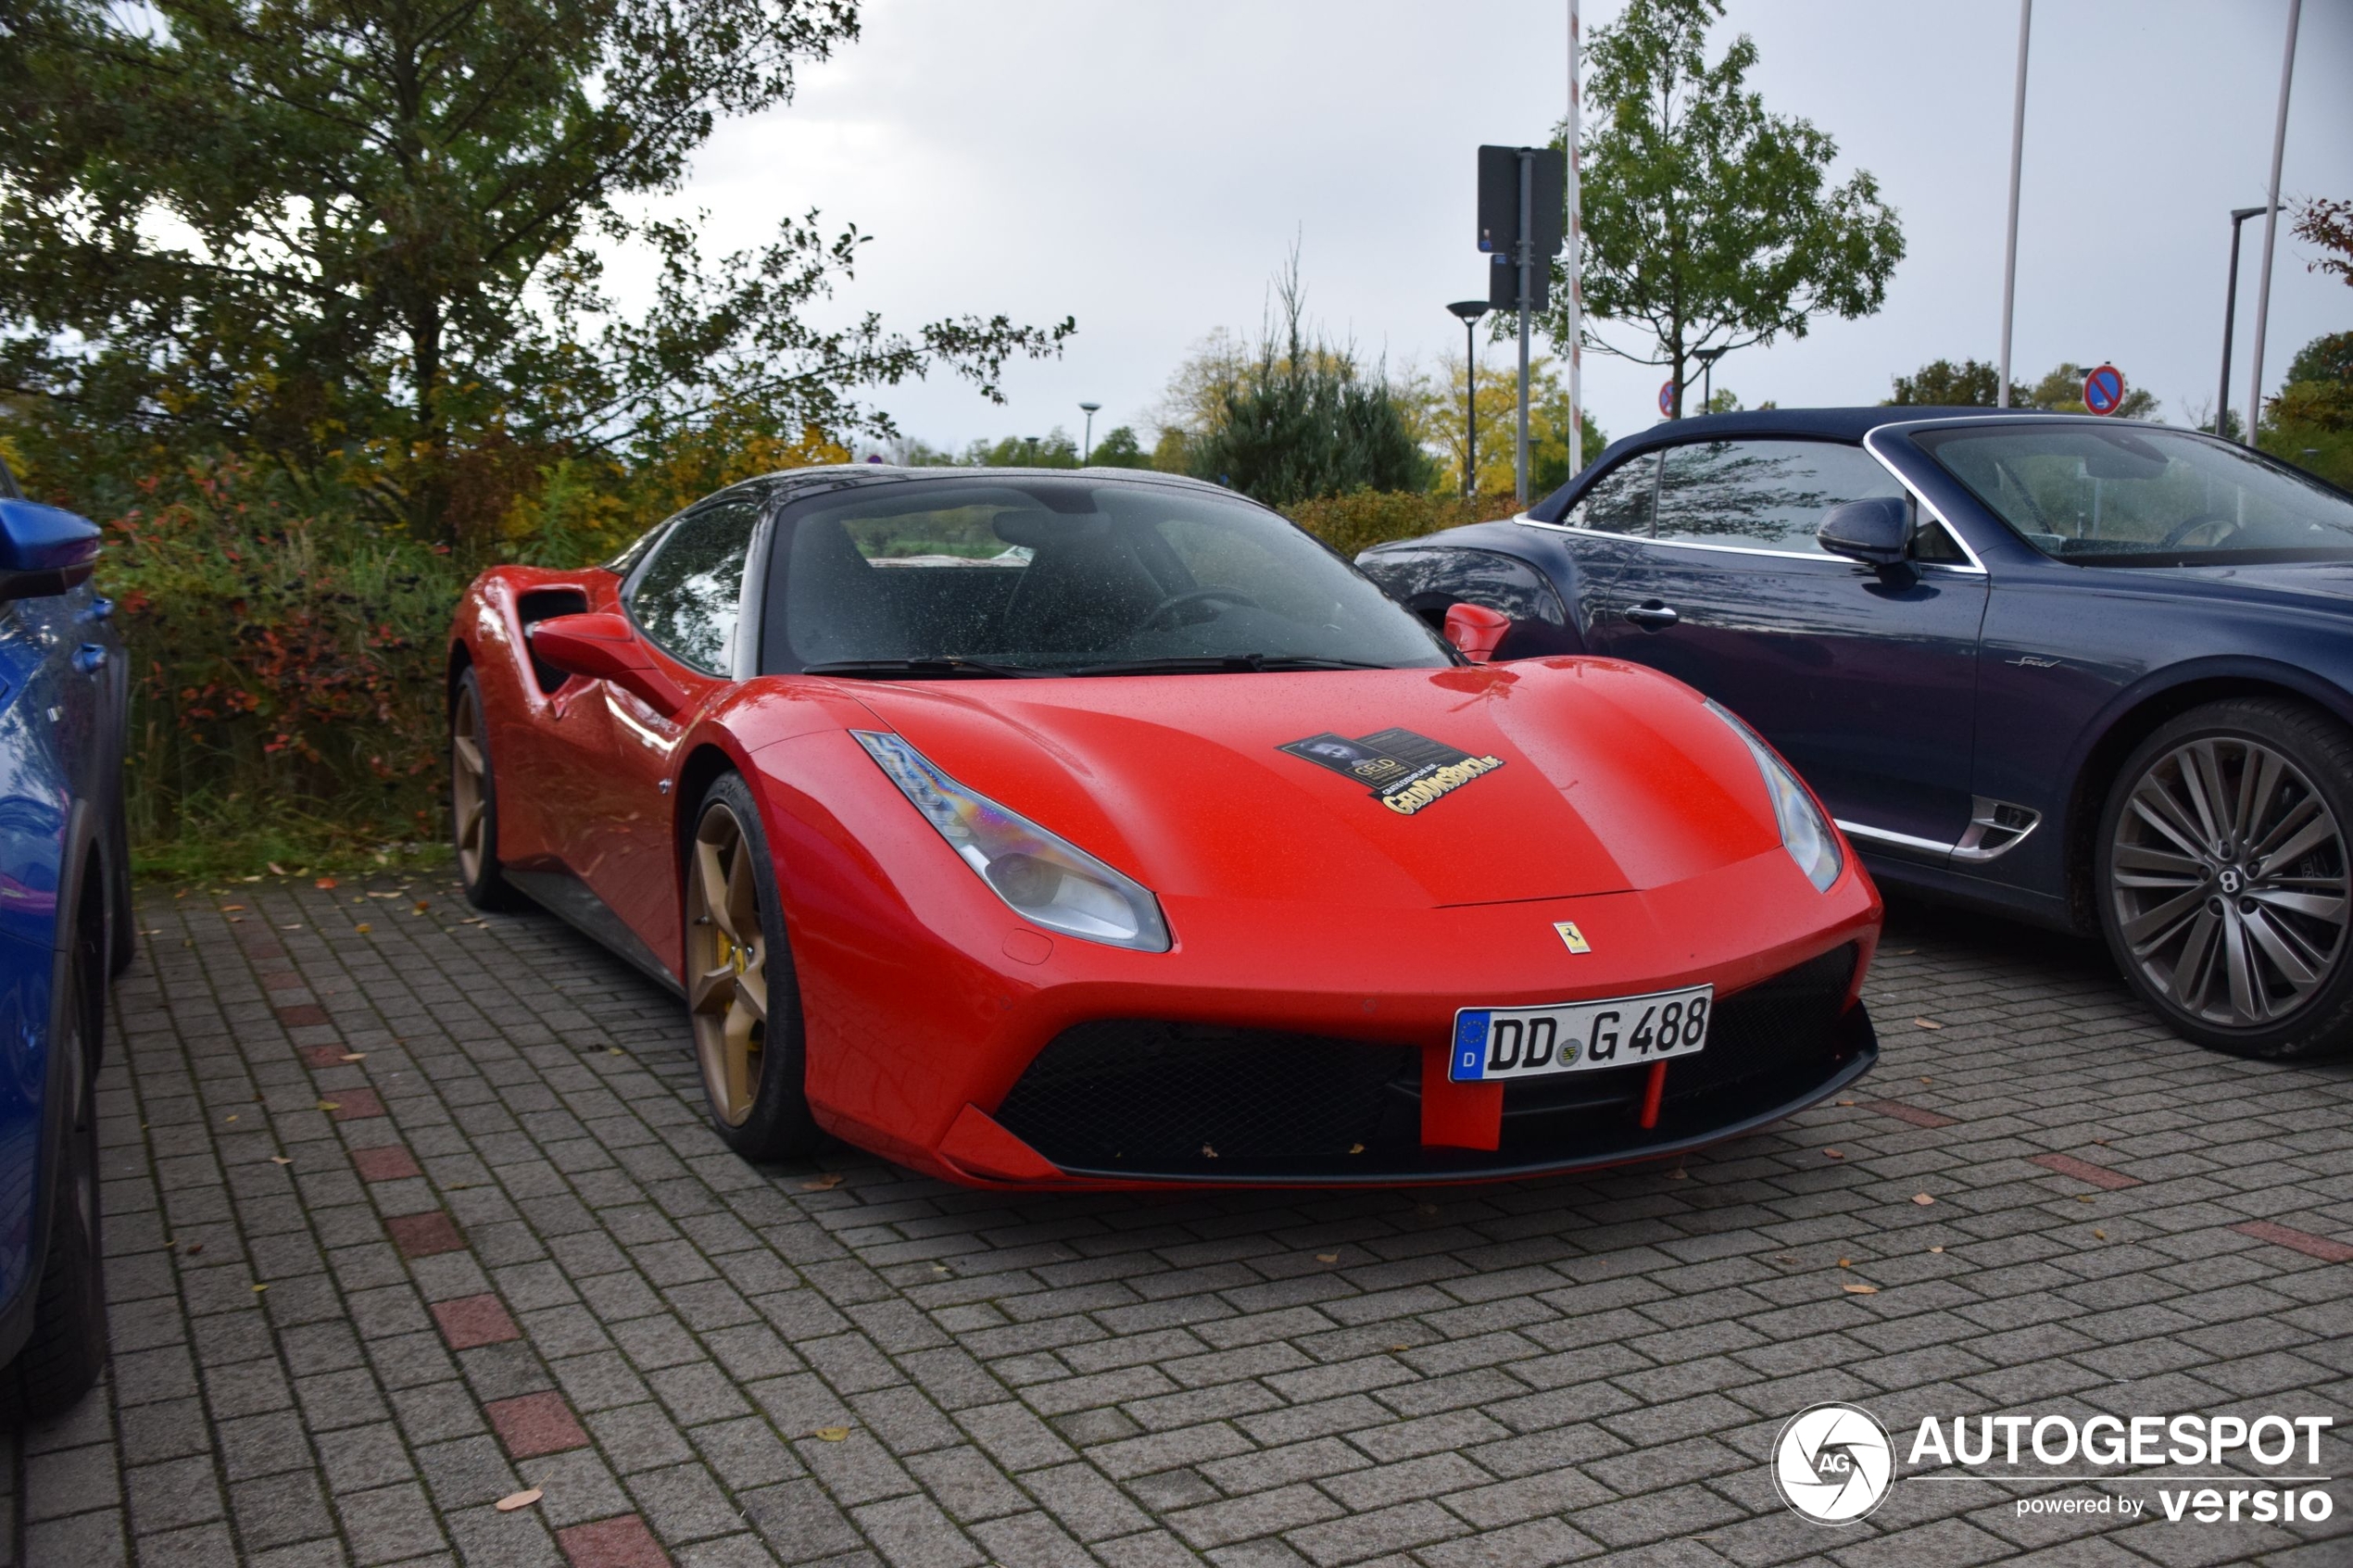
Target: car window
[(1038, 576), (2134, 495), (1619, 502), (687, 597), (1762, 495)]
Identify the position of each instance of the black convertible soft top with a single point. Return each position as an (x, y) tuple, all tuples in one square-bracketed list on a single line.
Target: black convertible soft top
[(1830, 424)]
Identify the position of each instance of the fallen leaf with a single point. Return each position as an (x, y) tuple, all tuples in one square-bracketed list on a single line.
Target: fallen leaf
[(330, 1105), (1928, 1080), (1922, 1200), (1400, 1346), (225, 908), (355, 1056), (1207, 1152), (1936, 1249), (1925, 1024), (1784, 1258), (259, 1288), (825, 1183), (1356, 1148), (2083, 1197), (1906, 952), (939, 1268), (2099, 1236), (1852, 1288), (276, 870), (831, 1433), (615, 1050), (1846, 1102), (324, 884), (1328, 1257), (194, 1248), (1678, 1174), (296, 926), (280, 1160), (236, 920), (1844, 1263), (475, 921), (233, 1118), (2102, 1142), (363, 928), (514, 1501), (1833, 1154)]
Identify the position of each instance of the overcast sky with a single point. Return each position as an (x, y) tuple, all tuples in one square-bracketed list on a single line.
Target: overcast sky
[(1144, 167)]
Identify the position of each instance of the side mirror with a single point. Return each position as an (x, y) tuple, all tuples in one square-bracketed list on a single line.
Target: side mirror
[(44, 550), (600, 646), (1477, 631), (1877, 531)]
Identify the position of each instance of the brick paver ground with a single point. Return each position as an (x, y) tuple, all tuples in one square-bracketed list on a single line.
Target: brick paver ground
[(409, 1213)]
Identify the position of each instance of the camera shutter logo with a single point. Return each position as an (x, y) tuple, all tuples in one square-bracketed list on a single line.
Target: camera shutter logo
[(1833, 1464)]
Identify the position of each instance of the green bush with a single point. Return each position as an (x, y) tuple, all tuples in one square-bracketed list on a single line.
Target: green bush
[(1365, 518)]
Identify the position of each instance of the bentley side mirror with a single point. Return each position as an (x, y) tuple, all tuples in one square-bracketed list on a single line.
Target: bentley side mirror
[(600, 646), (1475, 630), (1877, 532), (44, 550)]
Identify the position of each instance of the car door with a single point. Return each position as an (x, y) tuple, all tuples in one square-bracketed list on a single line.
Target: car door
[(1429, 580), (685, 600), (1865, 681)]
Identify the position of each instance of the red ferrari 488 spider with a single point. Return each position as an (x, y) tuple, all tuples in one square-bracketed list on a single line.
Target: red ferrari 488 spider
[(1101, 829)]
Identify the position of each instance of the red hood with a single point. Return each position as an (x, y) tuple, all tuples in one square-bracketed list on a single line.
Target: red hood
[(1613, 778)]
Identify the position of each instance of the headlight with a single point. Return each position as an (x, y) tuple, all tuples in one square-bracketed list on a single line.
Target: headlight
[(1045, 879), (1805, 834)]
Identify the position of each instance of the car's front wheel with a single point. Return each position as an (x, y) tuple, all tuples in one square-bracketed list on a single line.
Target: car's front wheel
[(741, 995), (473, 800), (2224, 879)]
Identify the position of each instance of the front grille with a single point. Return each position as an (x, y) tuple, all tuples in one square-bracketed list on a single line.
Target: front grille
[(1144, 1092), (1153, 1096)]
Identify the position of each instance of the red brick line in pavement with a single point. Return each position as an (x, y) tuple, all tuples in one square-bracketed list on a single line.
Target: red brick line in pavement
[(303, 1015), (1912, 1114), (470, 1321), (2312, 1245), (2083, 1170), (350, 1105), (613, 1543), (387, 1162), (423, 1236), (533, 1424)]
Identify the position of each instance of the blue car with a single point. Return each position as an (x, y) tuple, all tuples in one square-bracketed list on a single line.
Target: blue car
[(64, 930), (2091, 673)]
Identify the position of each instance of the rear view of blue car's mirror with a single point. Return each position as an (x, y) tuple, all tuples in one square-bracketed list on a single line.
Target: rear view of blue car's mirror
[(43, 549)]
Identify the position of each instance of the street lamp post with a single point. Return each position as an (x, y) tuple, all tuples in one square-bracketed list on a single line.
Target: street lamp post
[(1470, 310), (1707, 357), (2239, 215), (1088, 449), (1031, 441)]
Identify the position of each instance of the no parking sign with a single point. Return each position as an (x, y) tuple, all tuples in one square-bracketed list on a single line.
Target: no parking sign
[(1667, 399), (2104, 389)]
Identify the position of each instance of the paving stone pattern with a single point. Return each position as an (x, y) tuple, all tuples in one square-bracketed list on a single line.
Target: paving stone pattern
[(407, 1215)]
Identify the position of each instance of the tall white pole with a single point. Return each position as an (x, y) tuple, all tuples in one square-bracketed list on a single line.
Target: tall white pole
[(1576, 265), (2270, 228), (2018, 152)]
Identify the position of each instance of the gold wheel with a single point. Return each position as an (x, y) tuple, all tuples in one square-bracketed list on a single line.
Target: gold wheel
[(726, 965), (469, 783)]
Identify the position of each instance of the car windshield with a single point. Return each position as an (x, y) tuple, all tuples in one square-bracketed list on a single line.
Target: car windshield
[(2143, 496), (937, 578)]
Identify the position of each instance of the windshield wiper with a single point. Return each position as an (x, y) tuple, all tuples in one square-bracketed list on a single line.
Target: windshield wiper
[(917, 669), (1222, 663)]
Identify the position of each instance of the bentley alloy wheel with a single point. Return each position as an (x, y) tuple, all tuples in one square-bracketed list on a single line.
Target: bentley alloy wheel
[(726, 965), (2226, 877)]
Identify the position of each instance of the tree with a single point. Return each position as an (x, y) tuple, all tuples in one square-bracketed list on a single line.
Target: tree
[(1053, 450), (2329, 224), (1291, 417), (363, 239), (1939, 383), (1708, 221), (1119, 449), (1439, 425)]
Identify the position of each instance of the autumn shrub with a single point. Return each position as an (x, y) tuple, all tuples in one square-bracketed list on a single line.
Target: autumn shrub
[(1359, 521)]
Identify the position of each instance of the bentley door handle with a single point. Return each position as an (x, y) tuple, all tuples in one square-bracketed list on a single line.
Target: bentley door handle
[(1651, 616)]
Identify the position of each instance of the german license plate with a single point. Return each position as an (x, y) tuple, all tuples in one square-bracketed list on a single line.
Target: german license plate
[(1496, 1043)]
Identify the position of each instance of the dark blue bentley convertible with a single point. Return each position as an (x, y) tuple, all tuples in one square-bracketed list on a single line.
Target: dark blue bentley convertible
[(2091, 673)]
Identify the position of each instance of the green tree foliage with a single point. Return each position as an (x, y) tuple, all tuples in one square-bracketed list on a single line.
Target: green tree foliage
[(360, 240), (2328, 224), (1298, 417), (1056, 450), (2310, 421), (1709, 223), (1939, 383), (1439, 410), (1119, 449)]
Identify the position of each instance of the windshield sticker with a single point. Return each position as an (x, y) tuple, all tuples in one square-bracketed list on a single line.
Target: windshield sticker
[(1407, 771)]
